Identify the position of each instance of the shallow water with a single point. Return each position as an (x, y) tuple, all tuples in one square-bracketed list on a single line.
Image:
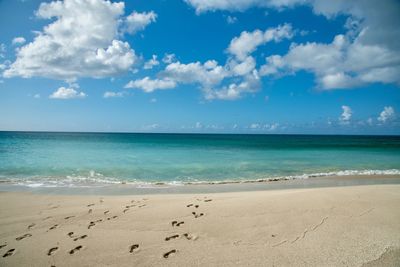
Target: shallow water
[(91, 159)]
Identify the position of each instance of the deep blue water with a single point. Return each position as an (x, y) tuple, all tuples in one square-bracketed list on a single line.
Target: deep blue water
[(65, 159)]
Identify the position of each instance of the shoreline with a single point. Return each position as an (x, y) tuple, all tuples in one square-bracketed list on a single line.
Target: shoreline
[(212, 187), (355, 225)]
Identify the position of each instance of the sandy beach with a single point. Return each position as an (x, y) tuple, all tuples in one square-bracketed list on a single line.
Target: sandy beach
[(337, 226)]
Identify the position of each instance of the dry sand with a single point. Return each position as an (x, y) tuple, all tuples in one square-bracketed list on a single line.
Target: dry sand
[(340, 226)]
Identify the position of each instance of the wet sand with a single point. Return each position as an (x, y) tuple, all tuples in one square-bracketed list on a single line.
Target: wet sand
[(336, 226)]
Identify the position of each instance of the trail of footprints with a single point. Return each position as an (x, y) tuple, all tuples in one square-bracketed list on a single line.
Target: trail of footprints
[(188, 236), (133, 248)]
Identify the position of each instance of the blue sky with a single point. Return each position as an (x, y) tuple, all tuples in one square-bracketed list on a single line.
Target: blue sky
[(229, 66)]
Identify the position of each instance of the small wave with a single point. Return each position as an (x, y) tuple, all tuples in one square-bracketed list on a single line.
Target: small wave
[(98, 180)]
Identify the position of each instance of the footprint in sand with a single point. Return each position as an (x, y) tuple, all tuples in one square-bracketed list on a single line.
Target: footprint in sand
[(53, 227), (91, 224), (2, 246), (90, 205), (125, 210), (31, 225), (68, 217), (48, 217), (207, 200), (9, 253), (51, 251), (80, 237), (72, 251), (90, 211), (107, 211), (176, 223), (171, 237), (23, 236), (166, 255), (141, 206), (70, 234), (190, 236), (133, 248), (196, 206), (197, 215), (189, 205)]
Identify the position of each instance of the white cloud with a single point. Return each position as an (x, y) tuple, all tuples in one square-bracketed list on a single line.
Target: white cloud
[(207, 74), (138, 21), (346, 115), (151, 63), (110, 94), (67, 93), (248, 42), (169, 58), (36, 96), (372, 33), (198, 125), (80, 41), (18, 41), (387, 114), (148, 85), (249, 84), (231, 19), (3, 50), (153, 100)]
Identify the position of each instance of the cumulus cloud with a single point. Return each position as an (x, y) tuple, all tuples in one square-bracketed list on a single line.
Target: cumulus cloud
[(372, 32), (387, 114), (248, 42), (230, 81), (138, 21), (18, 41), (148, 85), (110, 94), (81, 41), (169, 58), (67, 93), (346, 115), (151, 63)]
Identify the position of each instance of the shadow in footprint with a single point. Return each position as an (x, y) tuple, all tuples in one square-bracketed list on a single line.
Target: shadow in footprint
[(31, 225), (80, 237), (197, 215), (72, 251), (107, 211), (133, 248), (176, 223), (68, 217), (2, 246), (166, 255), (189, 205), (9, 253), (53, 227), (91, 224), (171, 237), (51, 251), (70, 234), (90, 205), (23, 236)]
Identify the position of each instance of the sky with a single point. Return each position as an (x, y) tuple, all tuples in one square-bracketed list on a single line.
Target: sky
[(201, 66)]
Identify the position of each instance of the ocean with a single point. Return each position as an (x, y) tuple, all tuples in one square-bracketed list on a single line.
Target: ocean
[(49, 159)]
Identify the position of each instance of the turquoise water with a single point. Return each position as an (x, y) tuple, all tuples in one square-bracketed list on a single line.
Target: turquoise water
[(81, 159)]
